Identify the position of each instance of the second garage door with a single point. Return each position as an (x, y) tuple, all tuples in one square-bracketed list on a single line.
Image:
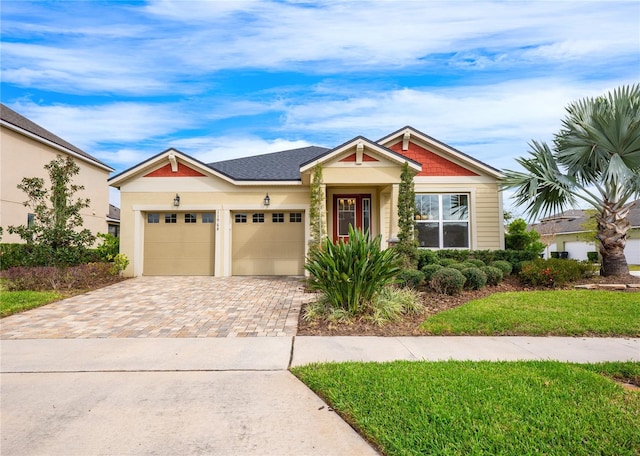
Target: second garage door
[(179, 243), (267, 243)]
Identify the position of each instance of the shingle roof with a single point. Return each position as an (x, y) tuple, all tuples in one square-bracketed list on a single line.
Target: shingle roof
[(276, 166), (571, 221), (10, 116)]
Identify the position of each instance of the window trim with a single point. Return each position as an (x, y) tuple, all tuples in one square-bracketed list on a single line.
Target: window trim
[(441, 221)]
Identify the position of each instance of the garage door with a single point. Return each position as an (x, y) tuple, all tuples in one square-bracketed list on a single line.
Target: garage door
[(179, 243), (267, 243)]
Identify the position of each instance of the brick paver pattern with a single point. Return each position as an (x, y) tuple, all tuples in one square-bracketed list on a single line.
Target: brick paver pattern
[(169, 307)]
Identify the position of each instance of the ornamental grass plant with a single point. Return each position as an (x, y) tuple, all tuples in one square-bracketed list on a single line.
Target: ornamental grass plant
[(349, 274)]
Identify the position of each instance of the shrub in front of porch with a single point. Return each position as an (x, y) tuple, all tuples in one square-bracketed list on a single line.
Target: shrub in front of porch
[(349, 274)]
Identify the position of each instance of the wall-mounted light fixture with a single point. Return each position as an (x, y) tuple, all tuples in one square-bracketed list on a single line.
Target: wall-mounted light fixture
[(176, 200), (267, 200)]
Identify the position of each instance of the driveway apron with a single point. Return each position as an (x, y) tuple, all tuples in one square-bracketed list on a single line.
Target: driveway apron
[(169, 307)]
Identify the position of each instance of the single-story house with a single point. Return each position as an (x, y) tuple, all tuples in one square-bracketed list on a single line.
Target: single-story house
[(25, 148), (250, 216), (565, 232)]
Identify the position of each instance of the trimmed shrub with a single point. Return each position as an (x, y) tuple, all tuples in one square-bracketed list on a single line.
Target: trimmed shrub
[(476, 279), (458, 266), (447, 262), (494, 275), (477, 263), (43, 278), (454, 254), (425, 257), (12, 255), (351, 273), (429, 270), (553, 272), (487, 256), (504, 266), (448, 281), (592, 257), (410, 278)]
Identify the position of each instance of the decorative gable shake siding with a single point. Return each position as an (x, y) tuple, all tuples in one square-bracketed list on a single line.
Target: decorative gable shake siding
[(250, 234)]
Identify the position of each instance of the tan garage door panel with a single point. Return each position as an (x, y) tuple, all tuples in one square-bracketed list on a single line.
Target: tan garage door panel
[(272, 247), (178, 248)]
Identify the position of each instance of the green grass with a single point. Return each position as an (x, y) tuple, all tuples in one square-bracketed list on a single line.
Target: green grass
[(537, 313), (473, 408), (12, 302), (634, 267)]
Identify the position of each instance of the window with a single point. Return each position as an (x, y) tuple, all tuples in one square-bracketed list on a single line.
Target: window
[(277, 217), (170, 218), (153, 218), (258, 218), (241, 218), (207, 217), (190, 218), (442, 221), (31, 220), (295, 217)]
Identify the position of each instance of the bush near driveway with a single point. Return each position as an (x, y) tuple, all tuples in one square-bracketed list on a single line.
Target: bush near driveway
[(349, 274), (82, 277)]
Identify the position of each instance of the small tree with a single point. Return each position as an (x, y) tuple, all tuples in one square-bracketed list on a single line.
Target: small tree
[(316, 209), (407, 245), (518, 238), (53, 232)]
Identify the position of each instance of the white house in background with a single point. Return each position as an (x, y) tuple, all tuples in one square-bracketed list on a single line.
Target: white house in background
[(562, 233)]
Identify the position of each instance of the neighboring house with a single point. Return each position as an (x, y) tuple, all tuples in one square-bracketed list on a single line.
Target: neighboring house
[(25, 148), (113, 220), (250, 216), (564, 233)]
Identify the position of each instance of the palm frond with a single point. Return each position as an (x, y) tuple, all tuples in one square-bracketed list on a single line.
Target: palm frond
[(599, 130), (543, 189)]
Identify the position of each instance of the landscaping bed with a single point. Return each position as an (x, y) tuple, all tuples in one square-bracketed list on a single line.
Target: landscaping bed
[(435, 303)]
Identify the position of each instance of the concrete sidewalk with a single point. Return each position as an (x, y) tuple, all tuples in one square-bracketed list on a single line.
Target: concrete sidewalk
[(224, 396)]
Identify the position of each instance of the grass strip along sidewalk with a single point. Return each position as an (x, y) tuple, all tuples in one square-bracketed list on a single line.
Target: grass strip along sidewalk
[(12, 302), (455, 407), (542, 313)]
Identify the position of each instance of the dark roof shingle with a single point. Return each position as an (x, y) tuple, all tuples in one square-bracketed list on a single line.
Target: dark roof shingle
[(276, 166)]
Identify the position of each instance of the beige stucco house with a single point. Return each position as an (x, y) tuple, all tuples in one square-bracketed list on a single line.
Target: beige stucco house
[(250, 216), (25, 148)]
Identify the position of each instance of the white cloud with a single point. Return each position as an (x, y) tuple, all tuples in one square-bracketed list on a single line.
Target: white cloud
[(87, 126), (172, 44), (213, 149)]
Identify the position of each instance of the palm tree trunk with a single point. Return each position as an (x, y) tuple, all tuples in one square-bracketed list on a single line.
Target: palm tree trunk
[(612, 233)]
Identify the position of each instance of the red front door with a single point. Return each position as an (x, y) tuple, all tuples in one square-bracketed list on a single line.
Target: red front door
[(354, 210)]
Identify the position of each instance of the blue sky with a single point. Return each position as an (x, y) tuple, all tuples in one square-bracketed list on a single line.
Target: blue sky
[(125, 80)]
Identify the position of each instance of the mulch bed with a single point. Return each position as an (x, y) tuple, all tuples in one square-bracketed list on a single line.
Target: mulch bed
[(434, 303)]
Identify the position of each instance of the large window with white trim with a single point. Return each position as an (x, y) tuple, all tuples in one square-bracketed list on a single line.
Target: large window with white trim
[(442, 220)]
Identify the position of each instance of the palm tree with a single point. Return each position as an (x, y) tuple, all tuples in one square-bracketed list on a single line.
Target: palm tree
[(596, 159)]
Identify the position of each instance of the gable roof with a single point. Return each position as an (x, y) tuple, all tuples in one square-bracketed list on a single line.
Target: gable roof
[(276, 166), (329, 153), (17, 122), (452, 150)]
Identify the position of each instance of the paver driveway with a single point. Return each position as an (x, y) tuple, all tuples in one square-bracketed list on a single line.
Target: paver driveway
[(169, 307)]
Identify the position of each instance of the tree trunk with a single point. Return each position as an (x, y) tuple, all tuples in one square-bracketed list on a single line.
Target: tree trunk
[(612, 233)]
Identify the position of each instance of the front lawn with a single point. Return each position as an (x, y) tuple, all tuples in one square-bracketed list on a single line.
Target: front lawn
[(538, 313), (18, 301), (456, 407)]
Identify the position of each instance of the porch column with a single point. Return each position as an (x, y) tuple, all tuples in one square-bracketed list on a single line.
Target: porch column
[(393, 216), (323, 189)]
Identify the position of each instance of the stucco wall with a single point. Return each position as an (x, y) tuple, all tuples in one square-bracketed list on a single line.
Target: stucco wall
[(20, 157)]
